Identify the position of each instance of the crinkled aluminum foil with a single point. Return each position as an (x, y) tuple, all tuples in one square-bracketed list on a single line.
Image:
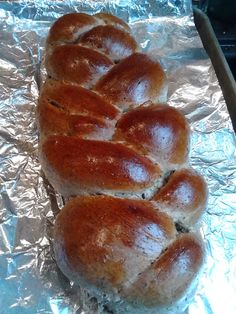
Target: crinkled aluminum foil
[(30, 281)]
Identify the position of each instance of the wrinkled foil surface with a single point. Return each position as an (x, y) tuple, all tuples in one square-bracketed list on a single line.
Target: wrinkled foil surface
[(30, 281)]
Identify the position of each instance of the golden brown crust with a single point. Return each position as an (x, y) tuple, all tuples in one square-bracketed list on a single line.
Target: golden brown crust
[(115, 43), (157, 129), (52, 119), (77, 100), (77, 64), (95, 165), (55, 121), (73, 110), (114, 244), (184, 196), (170, 276), (88, 127), (129, 249), (133, 81), (100, 235), (65, 28)]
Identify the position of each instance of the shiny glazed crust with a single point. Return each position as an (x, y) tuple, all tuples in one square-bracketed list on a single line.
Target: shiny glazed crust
[(159, 130), (106, 141), (127, 249)]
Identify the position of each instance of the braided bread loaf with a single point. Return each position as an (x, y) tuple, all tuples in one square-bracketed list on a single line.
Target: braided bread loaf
[(106, 138)]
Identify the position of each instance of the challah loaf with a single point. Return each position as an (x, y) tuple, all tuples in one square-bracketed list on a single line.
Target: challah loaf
[(106, 141)]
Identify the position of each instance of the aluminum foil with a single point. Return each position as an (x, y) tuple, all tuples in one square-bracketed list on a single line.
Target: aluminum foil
[(30, 281)]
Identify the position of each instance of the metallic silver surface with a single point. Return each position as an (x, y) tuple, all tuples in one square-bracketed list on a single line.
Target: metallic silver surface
[(30, 281)]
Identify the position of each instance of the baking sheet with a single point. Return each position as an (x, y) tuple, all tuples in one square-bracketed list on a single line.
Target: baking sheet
[(30, 281)]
